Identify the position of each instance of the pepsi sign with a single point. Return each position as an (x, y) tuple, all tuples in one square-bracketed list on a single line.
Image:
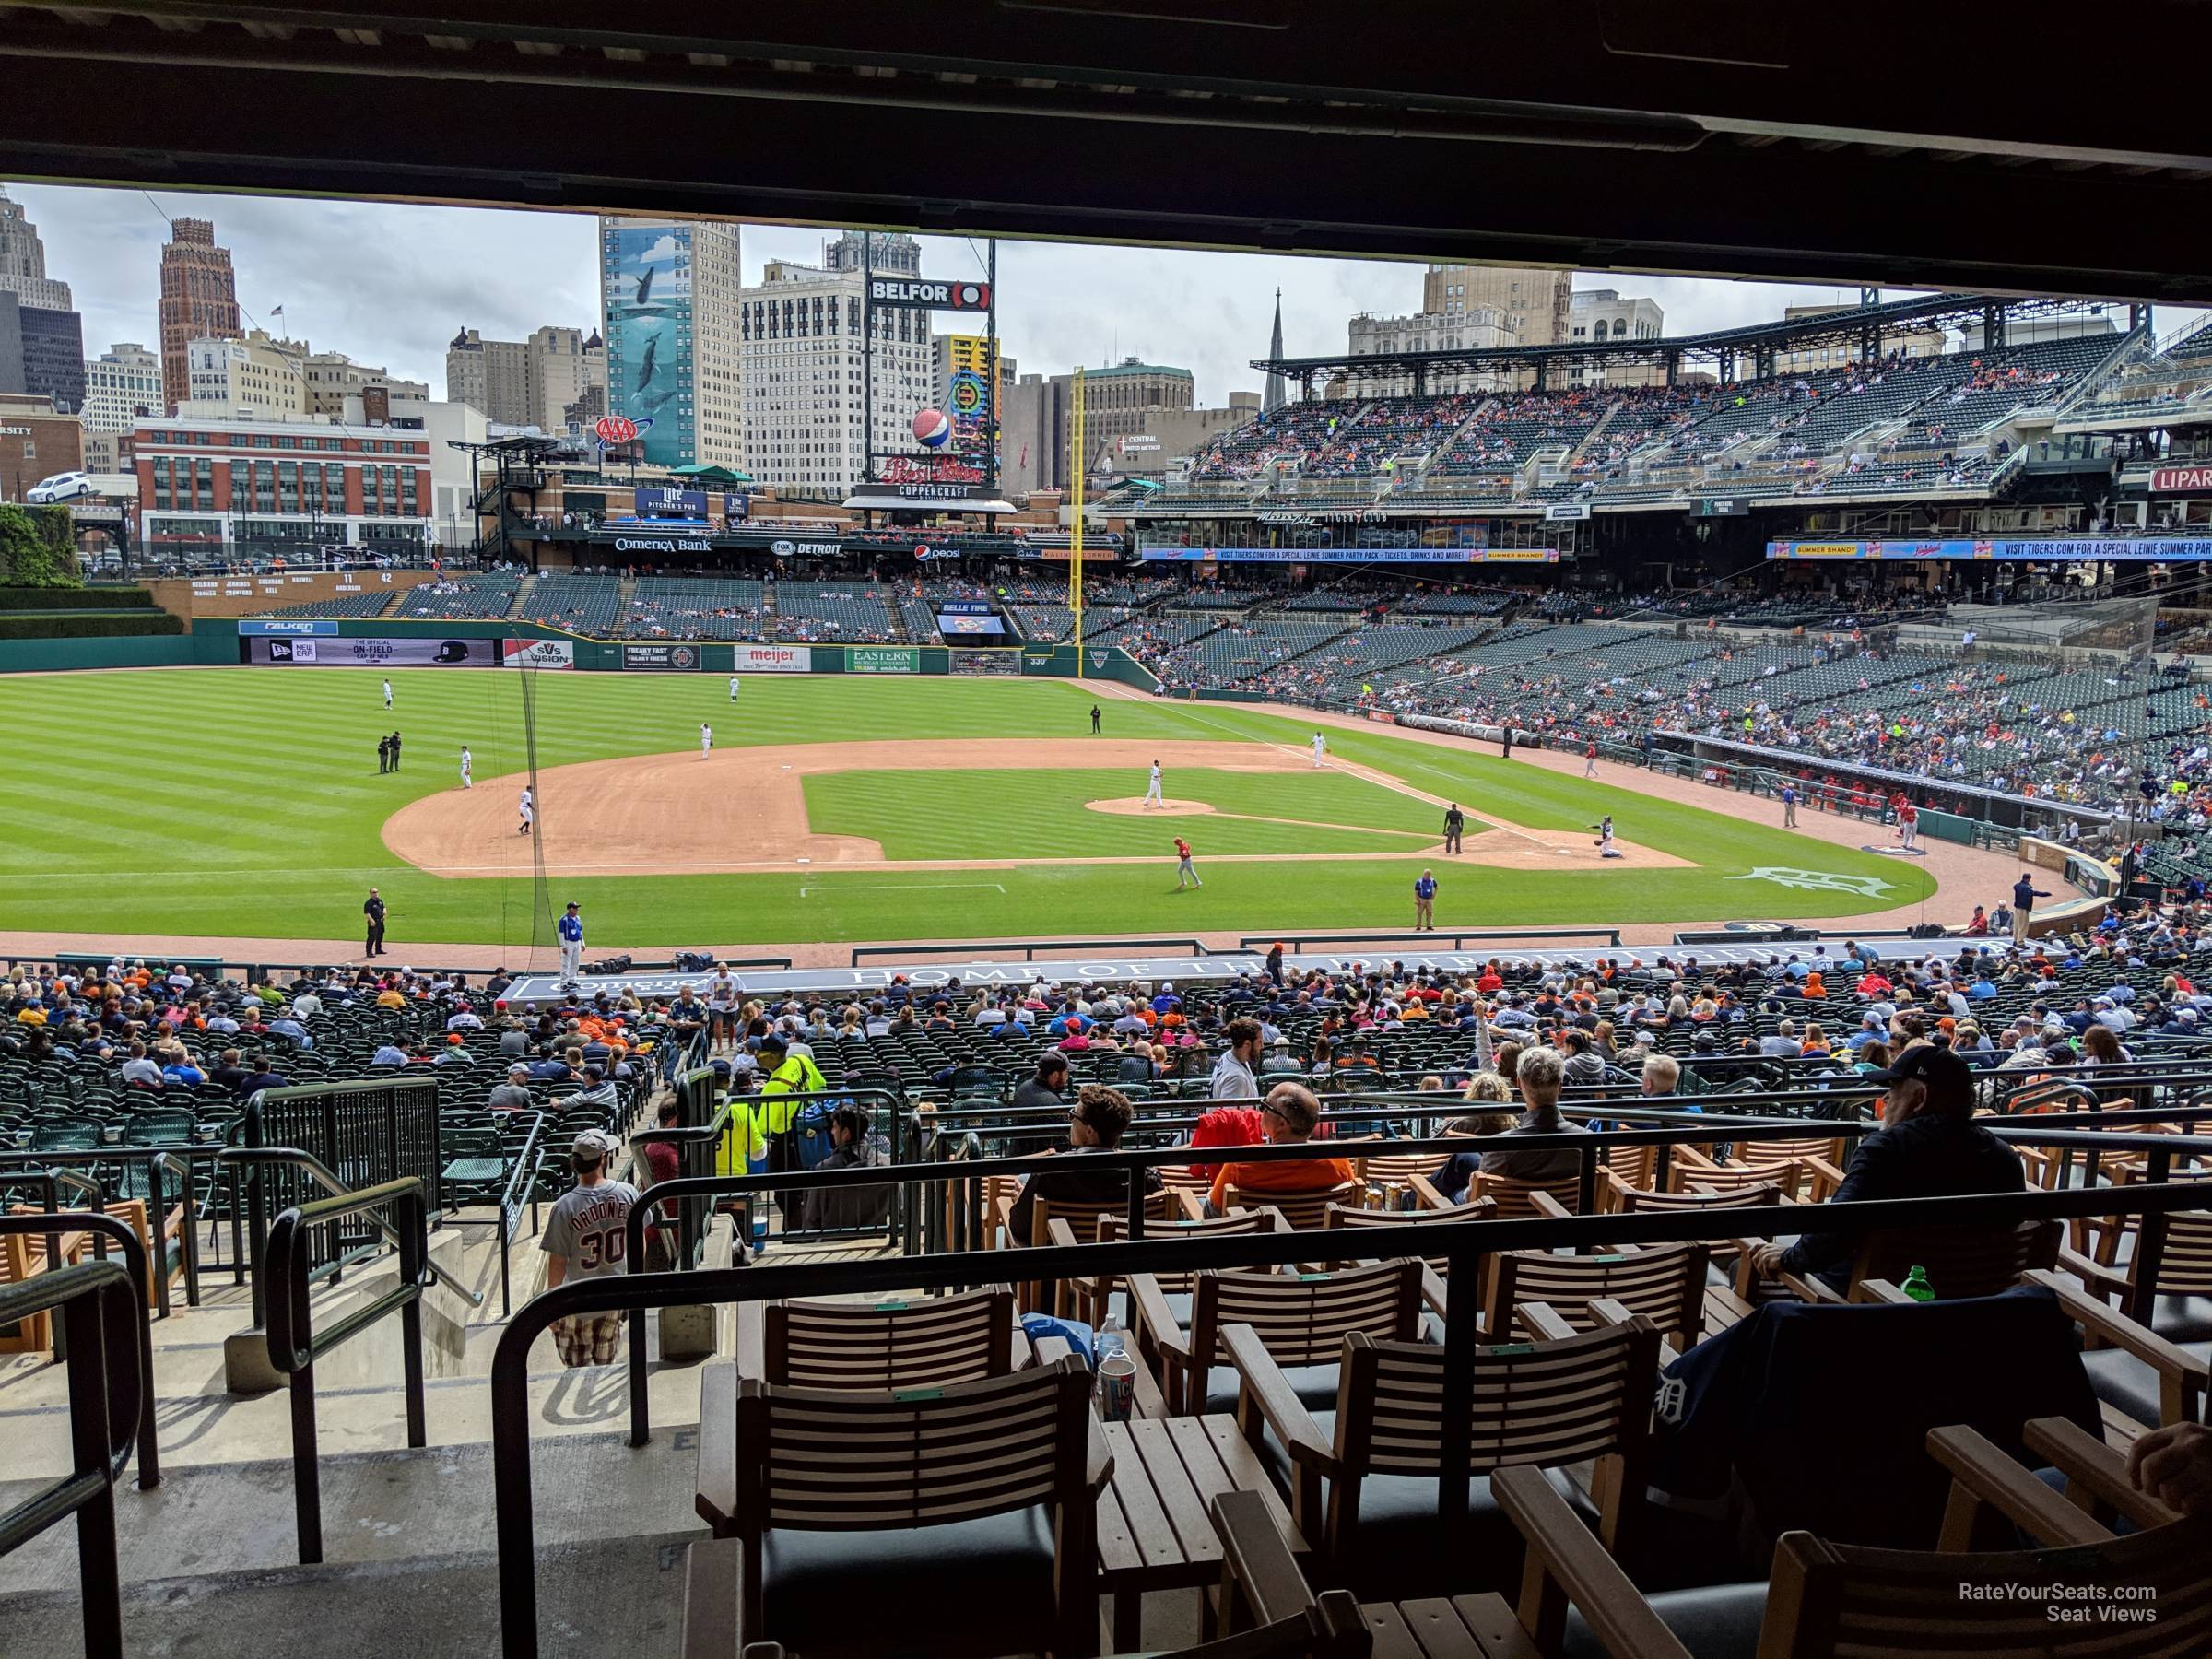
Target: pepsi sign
[(916, 294)]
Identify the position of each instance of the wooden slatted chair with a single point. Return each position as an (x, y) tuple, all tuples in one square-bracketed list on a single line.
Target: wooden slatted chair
[(1304, 1212), (35, 1334), (1363, 1476), (1517, 1199), (1665, 1283), (1959, 1260), (1083, 1219), (1300, 1319), (1824, 1599), (1626, 1166), (2180, 1302), (1388, 1173), (1090, 1299), (1437, 1269), (1721, 1306), (968, 1514), (1691, 1173), (926, 1342)]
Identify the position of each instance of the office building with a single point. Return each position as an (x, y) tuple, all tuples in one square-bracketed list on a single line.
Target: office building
[(669, 304), (1119, 400), (1479, 329), (530, 383), (43, 353), (1604, 316), (887, 253), (123, 385), (37, 441), (199, 301), (1169, 435), (23, 262), (331, 377), (309, 482), (258, 376), (1532, 303), (804, 372)]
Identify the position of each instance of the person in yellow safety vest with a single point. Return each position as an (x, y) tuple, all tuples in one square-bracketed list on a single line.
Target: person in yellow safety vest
[(788, 1074), (743, 1149)]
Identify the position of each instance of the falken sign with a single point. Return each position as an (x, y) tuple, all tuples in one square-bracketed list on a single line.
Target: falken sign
[(915, 294)]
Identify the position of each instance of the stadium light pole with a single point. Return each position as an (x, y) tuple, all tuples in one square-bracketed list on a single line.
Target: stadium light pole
[(1075, 542)]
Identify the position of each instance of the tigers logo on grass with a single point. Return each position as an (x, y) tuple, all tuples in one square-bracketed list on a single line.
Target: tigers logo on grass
[(1815, 881)]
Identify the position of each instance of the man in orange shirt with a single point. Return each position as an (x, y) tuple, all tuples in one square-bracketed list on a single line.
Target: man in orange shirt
[(1288, 1113)]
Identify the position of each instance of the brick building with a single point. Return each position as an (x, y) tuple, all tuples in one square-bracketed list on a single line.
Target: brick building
[(199, 301), (36, 442), (275, 483)]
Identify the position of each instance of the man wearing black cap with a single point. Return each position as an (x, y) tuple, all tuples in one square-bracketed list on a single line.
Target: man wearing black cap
[(1928, 1147)]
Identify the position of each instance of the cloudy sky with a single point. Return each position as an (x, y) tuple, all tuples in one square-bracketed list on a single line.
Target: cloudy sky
[(391, 285)]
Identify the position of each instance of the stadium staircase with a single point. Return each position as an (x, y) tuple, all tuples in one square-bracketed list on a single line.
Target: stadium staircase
[(209, 1558), (520, 607)]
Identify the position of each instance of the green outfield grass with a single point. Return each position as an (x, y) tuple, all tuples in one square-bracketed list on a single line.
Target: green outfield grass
[(1042, 814), (234, 802)]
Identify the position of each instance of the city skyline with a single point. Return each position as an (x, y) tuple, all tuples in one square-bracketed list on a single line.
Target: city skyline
[(392, 283)]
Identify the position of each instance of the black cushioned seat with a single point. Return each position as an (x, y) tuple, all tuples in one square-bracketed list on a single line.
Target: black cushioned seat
[(1399, 1552), (1721, 1622), (1315, 1386), (2119, 1379), (972, 1587)]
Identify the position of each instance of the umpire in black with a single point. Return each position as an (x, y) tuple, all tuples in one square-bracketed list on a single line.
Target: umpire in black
[(374, 913)]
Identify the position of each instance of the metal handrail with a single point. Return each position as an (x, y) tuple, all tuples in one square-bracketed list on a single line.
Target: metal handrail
[(108, 1399), (1462, 1246), (294, 1343), (338, 1189), (107, 1230), (527, 1158), (176, 1157)]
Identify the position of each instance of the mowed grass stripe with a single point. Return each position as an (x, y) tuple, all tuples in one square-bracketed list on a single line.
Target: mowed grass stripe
[(283, 833), (1043, 814)]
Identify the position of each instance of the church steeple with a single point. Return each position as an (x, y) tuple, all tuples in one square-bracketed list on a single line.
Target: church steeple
[(1277, 395)]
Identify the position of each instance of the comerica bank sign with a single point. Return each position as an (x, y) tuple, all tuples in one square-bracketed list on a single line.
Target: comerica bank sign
[(664, 544)]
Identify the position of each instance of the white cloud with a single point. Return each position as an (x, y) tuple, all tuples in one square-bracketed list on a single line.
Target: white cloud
[(391, 283)]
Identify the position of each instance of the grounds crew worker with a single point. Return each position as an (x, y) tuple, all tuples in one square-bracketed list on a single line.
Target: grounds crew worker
[(786, 1074)]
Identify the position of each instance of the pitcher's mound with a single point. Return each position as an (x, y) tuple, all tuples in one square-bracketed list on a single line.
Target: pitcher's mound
[(1133, 806)]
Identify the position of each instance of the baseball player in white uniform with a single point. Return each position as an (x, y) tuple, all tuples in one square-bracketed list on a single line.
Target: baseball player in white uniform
[(1321, 747), (466, 764), (1605, 849), (706, 739), (387, 694), (529, 811), (1152, 795), (733, 688)]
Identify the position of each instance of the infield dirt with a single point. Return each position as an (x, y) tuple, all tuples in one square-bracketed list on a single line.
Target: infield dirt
[(744, 810)]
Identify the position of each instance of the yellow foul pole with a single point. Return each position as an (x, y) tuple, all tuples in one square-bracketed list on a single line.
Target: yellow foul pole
[(1076, 467)]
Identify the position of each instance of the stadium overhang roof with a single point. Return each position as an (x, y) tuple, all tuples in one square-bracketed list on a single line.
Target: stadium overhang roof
[(1846, 326), (1731, 136)]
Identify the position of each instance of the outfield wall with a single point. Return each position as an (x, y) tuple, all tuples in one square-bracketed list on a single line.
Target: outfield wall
[(230, 642)]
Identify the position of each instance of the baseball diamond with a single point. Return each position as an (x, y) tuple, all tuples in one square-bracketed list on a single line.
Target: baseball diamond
[(897, 784)]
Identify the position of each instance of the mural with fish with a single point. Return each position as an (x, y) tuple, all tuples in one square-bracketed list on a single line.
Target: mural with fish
[(645, 288)]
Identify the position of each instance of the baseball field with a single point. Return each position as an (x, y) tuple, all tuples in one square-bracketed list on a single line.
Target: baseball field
[(231, 803)]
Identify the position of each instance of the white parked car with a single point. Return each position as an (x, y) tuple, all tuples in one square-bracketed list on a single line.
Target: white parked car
[(62, 486)]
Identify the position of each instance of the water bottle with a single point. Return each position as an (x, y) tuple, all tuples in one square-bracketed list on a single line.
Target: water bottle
[(1106, 1342), (1916, 1286)]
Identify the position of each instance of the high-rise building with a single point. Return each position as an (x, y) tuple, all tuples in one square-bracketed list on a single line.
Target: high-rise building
[(1124, 400), (122, 386), (332, 377), (256, 378), (965, 389), (887, 253), (42, 349), (1424, 330), (669, 291), (199, 301), (1534, 302), (525, 382), (1604, 315), (23, 262), (804, 378), (43, 353)]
